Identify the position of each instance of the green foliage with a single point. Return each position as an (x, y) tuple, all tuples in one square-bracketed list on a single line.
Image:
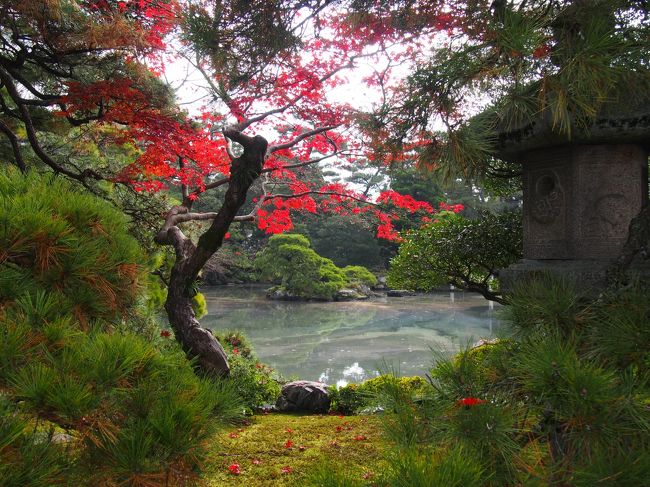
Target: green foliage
[(303, 273), (357, 273), (474, 371), (29, 457), (455, 467), (83, 254), (619, 331), (135, 410), (354, 397), (563, 64), (456, 250), (256, 383), (561, 403), (199, 305), (544, 304)]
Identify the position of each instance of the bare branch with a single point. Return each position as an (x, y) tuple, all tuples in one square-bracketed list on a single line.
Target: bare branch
[(237, 136), (301, 164), (323, 193), (310, 133), (222, 181), (214, 184), (229, 151), (15, 147), (170, 234)]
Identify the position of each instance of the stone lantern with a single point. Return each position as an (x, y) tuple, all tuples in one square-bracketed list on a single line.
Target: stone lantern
[(580, 193)]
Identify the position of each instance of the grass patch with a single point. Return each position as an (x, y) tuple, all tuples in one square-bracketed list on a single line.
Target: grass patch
[(274, 441)]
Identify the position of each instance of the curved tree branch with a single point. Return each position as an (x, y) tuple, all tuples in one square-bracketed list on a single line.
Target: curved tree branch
[(32, 137), (15, 147)]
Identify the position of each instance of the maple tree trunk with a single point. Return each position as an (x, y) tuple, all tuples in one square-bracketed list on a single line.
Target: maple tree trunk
[(198, 342)]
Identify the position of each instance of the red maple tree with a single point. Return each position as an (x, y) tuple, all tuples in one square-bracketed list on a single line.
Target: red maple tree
[(270, 67)]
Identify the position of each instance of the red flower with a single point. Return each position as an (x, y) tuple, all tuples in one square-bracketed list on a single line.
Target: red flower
[(360, 438), (288, 444), (165, 334), (339, 429), (287, 469), (470, 401), (541, 51), (234, 469), (233, 435), (235, 351), (289, 430)]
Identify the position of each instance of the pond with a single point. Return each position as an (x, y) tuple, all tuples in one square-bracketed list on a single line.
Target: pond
[(345, 342)]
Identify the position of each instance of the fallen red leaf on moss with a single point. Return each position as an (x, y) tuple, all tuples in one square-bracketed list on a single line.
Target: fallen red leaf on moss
[(470, 401)]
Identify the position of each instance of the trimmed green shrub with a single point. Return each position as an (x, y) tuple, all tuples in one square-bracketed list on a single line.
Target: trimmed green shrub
[(301, 272), (359, 274)]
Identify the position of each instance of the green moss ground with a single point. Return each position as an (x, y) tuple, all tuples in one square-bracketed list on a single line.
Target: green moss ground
[(349, 443)]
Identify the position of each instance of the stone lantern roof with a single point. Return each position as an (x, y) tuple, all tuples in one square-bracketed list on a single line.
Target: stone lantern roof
[(615, 124)]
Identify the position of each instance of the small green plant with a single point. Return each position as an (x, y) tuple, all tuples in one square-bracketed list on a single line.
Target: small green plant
[(256, 383), (545, 304), (354, 397)]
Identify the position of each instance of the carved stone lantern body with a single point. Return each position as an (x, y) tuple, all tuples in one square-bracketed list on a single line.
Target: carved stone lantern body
[(579, 196)]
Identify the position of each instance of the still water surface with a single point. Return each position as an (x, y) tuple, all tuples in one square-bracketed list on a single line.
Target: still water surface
[(345, 342)]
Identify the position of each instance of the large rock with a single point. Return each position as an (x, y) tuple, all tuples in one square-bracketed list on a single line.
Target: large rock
[(304, 396)]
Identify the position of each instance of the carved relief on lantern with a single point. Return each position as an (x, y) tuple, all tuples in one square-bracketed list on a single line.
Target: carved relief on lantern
[(545, 212), (548, 200)]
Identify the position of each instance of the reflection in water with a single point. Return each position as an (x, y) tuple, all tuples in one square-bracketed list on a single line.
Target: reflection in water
[(350, 341)]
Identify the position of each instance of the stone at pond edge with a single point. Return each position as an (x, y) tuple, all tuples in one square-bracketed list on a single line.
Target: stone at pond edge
[(303, 396), (349, 295), (361, 292), (399, 293)]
